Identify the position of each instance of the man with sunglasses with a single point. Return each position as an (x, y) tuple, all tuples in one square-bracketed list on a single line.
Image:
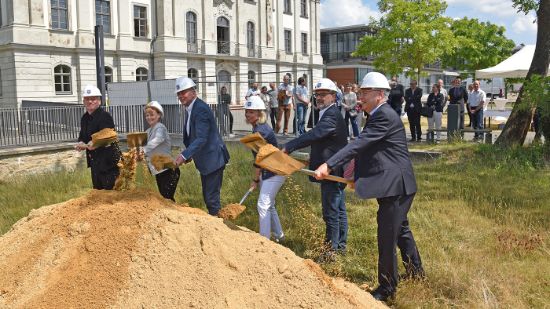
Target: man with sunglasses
[(383, 170), (326, 138)]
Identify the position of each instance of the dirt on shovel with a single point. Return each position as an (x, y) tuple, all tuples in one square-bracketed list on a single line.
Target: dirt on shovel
[(231, 211)]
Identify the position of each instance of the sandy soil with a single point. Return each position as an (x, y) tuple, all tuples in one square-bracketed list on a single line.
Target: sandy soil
[(135, 249)]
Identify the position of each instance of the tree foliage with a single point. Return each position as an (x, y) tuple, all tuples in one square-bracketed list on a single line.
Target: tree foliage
[(518, 124), (410, 34), (479, 45)]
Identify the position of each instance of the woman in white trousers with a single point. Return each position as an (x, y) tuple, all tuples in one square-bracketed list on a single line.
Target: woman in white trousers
[(269, 183), (436, 101)]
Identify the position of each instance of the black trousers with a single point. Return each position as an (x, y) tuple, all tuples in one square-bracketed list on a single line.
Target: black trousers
[(273, 116), (211, 188), (103, 180), (393, 230), (414, 124), (167, 182)]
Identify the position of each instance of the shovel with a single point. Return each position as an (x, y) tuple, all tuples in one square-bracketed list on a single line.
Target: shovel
[(274, 160), (232, 211), (136, 139)]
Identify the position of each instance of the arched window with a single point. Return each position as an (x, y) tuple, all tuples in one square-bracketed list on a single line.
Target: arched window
[(191, 31), (250, 38), (251, 77), (193, 74), (142, 74), (223, 35), (62, 79)]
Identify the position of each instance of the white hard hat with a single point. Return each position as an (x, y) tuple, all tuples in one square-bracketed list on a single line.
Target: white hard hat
[(183, 83), (375, 80), (325, 84), (254, 102), (91, 91), (156, 105)]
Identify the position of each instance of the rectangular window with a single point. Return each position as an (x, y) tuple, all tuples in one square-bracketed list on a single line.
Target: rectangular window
[(287, 6), (304, 44), (59, 14), (103, 15), (303, 8), (288, 41), (140, 21)]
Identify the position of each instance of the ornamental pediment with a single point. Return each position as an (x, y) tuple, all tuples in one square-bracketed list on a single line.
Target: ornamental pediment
[(228, 3)]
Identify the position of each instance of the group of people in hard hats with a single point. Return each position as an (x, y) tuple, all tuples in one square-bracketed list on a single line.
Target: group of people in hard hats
[(379, 158)]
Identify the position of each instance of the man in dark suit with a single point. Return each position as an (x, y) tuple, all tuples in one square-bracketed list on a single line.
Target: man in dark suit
[(203, 143), (102, 161), (413, 105), (458, 95), (327, 137), (383, 170)]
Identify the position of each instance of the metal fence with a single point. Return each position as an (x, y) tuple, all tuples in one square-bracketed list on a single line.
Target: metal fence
[(34, 126)]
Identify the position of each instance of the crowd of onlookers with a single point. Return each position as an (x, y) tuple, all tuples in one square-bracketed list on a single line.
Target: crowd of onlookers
[(281, 99)]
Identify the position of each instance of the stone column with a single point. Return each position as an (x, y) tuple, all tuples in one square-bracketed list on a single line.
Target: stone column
[(242, 82)]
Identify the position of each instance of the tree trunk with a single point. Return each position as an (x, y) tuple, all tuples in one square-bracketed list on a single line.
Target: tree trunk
[(517, 126)]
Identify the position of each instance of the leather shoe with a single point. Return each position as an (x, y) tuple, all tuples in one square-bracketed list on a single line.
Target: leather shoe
[(412, 140), (382, 294)]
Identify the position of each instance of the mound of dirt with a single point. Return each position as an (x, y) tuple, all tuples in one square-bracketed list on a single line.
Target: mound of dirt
[(135, 249)]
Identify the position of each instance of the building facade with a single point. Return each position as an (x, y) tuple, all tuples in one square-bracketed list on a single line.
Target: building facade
[(47, 47)]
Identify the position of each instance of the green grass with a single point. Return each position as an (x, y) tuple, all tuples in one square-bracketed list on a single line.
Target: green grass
[(480, 219)]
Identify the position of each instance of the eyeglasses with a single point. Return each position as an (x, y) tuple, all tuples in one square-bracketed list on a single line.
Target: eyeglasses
[(364, 91), (321, 95)]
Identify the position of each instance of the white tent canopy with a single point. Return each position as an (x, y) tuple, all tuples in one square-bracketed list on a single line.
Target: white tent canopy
[(516, 65)]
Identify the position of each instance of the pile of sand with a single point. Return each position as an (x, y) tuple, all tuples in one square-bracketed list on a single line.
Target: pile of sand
[(137, 250)]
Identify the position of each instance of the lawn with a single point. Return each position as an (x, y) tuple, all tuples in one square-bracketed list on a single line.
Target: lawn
[(480, 218)]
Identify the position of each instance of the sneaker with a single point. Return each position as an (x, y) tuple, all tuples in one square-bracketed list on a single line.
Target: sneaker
[(231, 135), (280, 240)]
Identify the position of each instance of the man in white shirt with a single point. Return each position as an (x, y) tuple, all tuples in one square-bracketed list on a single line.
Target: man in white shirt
[(476, 100), (252, 91)]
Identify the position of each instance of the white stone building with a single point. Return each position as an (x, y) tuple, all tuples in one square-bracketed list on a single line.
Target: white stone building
[(47, 50)]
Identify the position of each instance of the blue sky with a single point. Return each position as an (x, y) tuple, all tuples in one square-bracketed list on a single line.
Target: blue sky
[(519, 27)]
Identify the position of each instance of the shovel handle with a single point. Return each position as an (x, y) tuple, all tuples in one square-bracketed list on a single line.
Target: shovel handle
[(246, 195), (329, 177)]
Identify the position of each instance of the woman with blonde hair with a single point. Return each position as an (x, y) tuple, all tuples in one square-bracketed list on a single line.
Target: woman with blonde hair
[(269, 182), (158, 142)]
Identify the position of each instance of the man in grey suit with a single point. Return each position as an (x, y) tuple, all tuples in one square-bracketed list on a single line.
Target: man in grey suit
[(203, 143), (326, 138), (383, 170)]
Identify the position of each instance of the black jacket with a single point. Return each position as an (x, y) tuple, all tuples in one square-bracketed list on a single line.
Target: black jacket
[(103, 158), (436, 101), (458, 95), (326, 138), (415, 98), (382, 164)]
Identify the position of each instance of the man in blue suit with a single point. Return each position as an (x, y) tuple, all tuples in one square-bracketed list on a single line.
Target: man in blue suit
[(383, 170), (203, 143), (326, 138)]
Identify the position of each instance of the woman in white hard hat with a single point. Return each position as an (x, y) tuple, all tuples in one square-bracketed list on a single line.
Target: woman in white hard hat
[(102, 161), (158, 142), (269, 182)]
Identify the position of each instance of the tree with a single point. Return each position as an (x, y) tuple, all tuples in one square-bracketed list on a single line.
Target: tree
[(410, 34), (479, 45), (517, 126)]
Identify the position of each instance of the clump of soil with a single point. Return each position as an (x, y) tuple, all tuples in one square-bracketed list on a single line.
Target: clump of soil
[(231, 211), (162, 161), (127, 165), (134, 249), (104, 137)]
